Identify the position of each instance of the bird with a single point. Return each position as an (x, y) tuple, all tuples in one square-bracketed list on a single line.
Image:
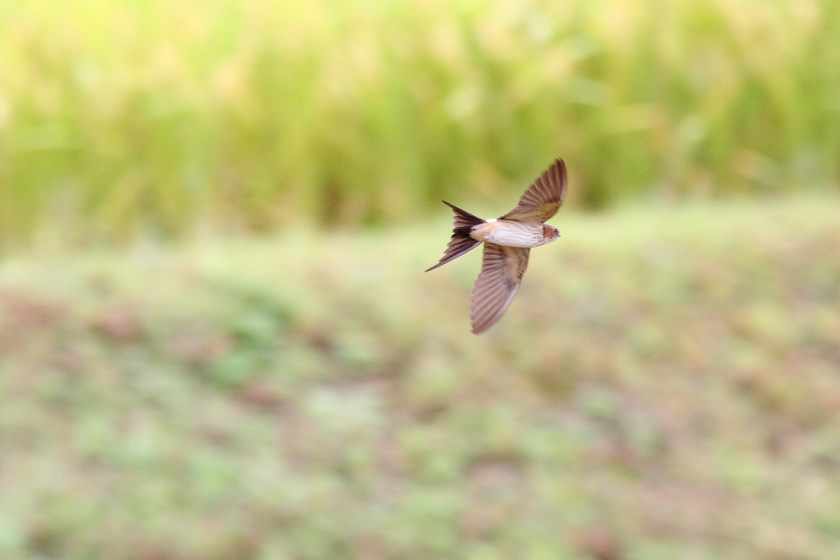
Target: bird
[(508, 241)]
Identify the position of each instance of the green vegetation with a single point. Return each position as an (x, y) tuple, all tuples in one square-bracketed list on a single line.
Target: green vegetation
[(665, 386), (159, 118)]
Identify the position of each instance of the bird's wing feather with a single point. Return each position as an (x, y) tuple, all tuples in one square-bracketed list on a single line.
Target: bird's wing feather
[(543, 198), (501, 273)]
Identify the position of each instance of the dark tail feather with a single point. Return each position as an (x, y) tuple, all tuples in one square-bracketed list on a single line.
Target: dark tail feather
[(463, 219), (460, 242)]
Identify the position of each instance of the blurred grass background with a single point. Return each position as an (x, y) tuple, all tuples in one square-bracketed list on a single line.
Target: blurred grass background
[(173, 386), (656, 391), (158, 118)]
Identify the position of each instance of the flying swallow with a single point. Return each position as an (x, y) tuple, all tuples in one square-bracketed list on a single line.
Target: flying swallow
[(507, 240)]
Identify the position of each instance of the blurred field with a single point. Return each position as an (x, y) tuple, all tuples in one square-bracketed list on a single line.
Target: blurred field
[(158, 119), (665, 386)]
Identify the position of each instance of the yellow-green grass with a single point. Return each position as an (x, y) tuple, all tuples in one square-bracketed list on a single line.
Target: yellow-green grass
[(159, 118), (665, 386)]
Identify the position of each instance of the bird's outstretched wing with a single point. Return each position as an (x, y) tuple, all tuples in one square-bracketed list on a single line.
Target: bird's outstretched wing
[(501, 273), (543, 198)]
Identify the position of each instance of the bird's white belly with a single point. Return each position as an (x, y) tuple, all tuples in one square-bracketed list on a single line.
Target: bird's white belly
[(516, 234)]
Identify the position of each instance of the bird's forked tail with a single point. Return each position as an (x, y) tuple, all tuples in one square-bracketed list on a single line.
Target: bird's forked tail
[(460, 242)]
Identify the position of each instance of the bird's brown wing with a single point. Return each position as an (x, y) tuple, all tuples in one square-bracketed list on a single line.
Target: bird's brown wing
[(501, 273), (543, 198)]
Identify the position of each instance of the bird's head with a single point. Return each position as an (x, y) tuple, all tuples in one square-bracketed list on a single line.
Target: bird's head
[(550, 233)]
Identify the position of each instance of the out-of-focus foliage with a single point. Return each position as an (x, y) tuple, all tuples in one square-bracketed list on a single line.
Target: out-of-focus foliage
[(665, 386), (152, 117)]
